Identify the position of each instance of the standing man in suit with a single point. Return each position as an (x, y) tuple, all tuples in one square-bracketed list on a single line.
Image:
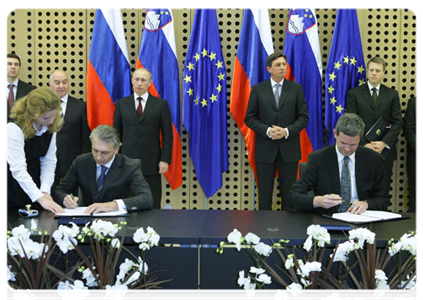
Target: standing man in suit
[(15, 88), (410, 134), (144, 123), (73, 138), (372, 100), (108, 180), (344, 176), (277, 112)]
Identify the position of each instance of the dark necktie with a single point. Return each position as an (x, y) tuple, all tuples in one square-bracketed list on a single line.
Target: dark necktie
[(11, 98), (345, 186), (100, 179), (139, 109), (374, 95), (277, 94)]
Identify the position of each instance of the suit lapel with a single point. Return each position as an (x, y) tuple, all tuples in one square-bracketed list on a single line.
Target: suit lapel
[(285, 92), (368, 96), (111, 176), (149, 107), (92, 178), (70, 108), (130, 108), (334, 172), (268, 91)]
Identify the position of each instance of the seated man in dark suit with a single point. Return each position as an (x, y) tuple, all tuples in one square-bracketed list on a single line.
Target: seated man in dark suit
[(354, 188), (107, 179)]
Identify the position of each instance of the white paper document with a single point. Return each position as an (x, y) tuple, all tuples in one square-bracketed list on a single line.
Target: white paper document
[(80, 211), (366, 217)]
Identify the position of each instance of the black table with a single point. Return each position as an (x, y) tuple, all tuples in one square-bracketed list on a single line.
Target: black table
[(189, 239)]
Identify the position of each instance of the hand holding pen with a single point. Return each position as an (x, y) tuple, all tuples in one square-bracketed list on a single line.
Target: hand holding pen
[(70, 201)]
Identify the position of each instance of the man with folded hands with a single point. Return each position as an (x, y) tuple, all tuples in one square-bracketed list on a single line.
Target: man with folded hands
[(344, 177), (108, 180)]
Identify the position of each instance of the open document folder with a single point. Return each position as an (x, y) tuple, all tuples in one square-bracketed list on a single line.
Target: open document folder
[(80, 212), (368, 216)]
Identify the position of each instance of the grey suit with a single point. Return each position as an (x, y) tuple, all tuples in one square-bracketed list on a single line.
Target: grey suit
[(123, 181), (322, 176), (261, 114)]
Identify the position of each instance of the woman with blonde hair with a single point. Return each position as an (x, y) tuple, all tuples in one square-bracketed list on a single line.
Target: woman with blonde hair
[(31, 149)]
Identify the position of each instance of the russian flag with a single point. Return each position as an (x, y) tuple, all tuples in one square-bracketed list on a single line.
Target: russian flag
[(255, 45), (108, 71), (302, 49), (158, 55)]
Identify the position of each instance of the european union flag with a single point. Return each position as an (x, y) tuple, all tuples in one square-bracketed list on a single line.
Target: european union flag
[(204, 101), (345, 69)]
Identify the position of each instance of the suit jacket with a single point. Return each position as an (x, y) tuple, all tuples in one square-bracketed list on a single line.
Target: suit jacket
[(409, 125), (262, 113), (123, 181), (360, 102), (23, 89), (142, 139), (322, 176), (73, 138)]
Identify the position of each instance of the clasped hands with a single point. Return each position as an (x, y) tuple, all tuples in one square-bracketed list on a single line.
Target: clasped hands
[(277, 132), (377, 146), (330, 200), (72, 202)]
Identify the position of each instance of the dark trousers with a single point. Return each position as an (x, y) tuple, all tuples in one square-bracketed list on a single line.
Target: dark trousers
[(387, 165), (411, 172), (266, 177), (155, 183)]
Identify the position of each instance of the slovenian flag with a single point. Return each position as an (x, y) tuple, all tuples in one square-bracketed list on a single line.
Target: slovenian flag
[(255, 45), (108, 71), (302, 49), (158, 55)]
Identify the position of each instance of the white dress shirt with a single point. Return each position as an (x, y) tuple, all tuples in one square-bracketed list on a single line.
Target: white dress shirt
[(15, 88), (17, 162), (143, 101), (351, 167), (64, 103)]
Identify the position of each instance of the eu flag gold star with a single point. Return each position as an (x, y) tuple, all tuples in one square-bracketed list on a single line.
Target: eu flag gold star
[(213, 98), (190, 66), (337, 65), (219, 64), (339, 109), (212, 56), (204, 52), (221, 76), (332, 76), (346, 60), (197, 56), (219, 88), (196, 101), (353, 61), (190, 92), (187, 78), (360, 70), (333, 101), (204, 102), (330, 89)]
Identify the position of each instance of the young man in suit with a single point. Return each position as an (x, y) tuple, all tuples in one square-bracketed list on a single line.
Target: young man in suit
[(145, 125), (372, 100), (73, 138), (277, 112), (344, 176), (107, 179), (15, 88)]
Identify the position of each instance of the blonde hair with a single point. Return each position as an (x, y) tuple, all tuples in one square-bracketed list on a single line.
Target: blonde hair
[(34, 105)]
